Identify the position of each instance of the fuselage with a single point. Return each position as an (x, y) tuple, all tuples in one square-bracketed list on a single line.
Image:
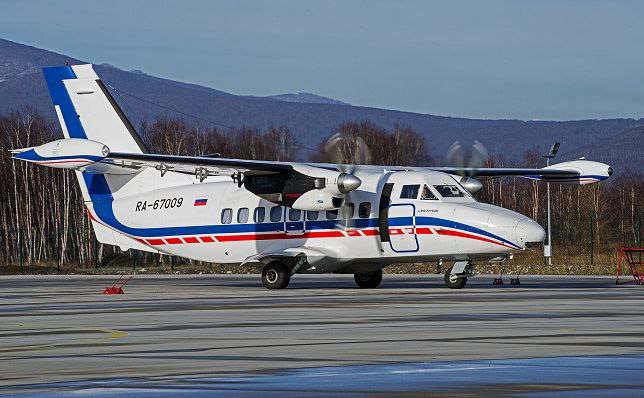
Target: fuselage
[(403, 216)]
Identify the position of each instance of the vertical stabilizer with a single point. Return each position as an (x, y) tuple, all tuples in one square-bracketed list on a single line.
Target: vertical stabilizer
[(86, 109)]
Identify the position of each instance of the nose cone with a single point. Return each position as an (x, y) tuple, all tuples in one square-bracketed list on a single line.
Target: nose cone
[(348, 182), (529, 233)]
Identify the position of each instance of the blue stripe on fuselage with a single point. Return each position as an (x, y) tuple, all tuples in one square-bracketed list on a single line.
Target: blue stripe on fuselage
[(441, 222), (103, 201)]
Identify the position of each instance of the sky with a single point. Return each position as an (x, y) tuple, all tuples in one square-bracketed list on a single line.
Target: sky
[(554, 60)]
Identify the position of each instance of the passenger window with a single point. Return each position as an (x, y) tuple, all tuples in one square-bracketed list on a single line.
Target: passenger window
[(331, 214), (276, 214), (226, 216), (427, 194), (259, 214), (449, 191), (242, 215), (409, 191), (294, 214), (347, 210), (364, 210), (312, 215)]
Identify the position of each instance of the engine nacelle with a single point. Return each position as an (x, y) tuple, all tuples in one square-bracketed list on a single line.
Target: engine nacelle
[(304, 188), (71, 153), (317, 199), (589, 172), (471, 184)]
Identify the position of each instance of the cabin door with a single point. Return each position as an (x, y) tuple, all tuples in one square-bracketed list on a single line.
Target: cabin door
[(402, 228)]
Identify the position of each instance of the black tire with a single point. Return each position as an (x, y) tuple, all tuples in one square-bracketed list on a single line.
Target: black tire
[(368, 280), (276, 275), (453, 282)]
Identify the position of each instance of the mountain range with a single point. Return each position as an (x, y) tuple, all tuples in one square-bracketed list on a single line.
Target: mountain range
[(311, 117)]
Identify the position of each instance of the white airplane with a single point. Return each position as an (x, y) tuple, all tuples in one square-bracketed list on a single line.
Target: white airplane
[(289, 217)]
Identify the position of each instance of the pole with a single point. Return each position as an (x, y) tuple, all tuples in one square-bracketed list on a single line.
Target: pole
[(639, 232), (639, 238), (549, 253), (20, 253), (58, 254), (592, 255)]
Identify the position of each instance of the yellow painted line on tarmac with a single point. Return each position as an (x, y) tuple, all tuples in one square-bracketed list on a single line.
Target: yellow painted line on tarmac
[(111, 334), (115, 334)]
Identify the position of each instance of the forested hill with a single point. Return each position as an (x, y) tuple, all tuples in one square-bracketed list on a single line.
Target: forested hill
[(311, 117)]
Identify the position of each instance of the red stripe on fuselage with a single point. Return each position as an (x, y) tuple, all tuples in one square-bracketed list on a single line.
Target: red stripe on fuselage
[(460, 234), (306, 235), (237, 238)]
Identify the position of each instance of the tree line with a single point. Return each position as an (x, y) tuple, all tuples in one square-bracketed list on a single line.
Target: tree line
[(43, 220)]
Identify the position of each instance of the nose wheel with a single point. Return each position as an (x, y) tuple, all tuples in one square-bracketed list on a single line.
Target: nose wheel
[(454, 281), (276, 275)]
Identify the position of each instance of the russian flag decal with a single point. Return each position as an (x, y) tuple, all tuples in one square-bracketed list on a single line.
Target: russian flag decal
[(201, 201)]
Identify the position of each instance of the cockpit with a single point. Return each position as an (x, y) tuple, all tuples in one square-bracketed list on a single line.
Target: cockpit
[(445, 188)]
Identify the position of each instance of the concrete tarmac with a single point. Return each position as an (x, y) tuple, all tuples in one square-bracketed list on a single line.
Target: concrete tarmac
[(225, 335)]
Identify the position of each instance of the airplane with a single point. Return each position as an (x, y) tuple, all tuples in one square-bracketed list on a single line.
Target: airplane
[(287, 217)]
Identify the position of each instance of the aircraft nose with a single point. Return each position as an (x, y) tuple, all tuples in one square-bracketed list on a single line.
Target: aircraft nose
[(530, 233)]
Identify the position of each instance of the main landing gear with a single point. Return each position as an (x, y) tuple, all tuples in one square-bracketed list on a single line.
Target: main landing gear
[(276, 275), (368, 280), (456, 275)]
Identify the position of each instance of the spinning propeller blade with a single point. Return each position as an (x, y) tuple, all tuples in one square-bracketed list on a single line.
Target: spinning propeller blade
[(347, 151), (469, 160)]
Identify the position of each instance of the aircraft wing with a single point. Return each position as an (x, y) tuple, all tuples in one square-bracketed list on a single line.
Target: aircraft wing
[(576, 172), (95, 157), (195, 164), (507, 172)]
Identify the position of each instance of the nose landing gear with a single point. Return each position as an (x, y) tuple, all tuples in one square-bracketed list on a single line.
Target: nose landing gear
[(456, 276)]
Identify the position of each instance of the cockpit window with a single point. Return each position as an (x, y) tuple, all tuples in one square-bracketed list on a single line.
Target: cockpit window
[(449, 191), (427, 194), (409, 191)]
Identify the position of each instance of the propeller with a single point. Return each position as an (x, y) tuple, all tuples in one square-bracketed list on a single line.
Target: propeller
[(468, 160), (471, 158), (347, 151)]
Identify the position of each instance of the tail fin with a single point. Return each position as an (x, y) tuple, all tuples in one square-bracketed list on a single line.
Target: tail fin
[(86, 109)]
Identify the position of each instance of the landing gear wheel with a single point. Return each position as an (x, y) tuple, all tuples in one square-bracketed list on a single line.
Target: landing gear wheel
[(453, 281), (368, 280), (276, 275)]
